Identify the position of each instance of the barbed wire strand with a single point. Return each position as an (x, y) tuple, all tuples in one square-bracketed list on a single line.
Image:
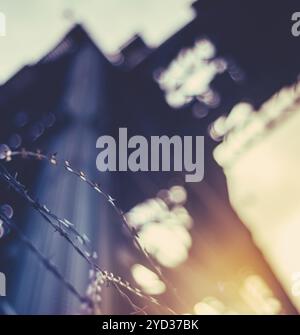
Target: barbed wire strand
[(44, 260)]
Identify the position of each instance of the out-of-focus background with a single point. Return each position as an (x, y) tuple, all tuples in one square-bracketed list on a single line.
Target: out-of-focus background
[(71, 71)]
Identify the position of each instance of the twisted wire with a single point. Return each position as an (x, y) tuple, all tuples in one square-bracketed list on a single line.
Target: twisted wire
[(63, 223)]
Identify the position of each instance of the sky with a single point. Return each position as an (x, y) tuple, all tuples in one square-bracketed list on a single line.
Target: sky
[(33, 27)]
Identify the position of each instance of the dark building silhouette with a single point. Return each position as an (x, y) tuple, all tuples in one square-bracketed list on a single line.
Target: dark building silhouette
[(75, 94)]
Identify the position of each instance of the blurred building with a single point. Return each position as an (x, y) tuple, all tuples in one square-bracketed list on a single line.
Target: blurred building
[(75, 94)]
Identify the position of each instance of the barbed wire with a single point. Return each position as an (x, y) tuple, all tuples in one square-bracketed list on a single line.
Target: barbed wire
[(94, 291), (44, 260), (89, 302), (52, 159), (63, 223)]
